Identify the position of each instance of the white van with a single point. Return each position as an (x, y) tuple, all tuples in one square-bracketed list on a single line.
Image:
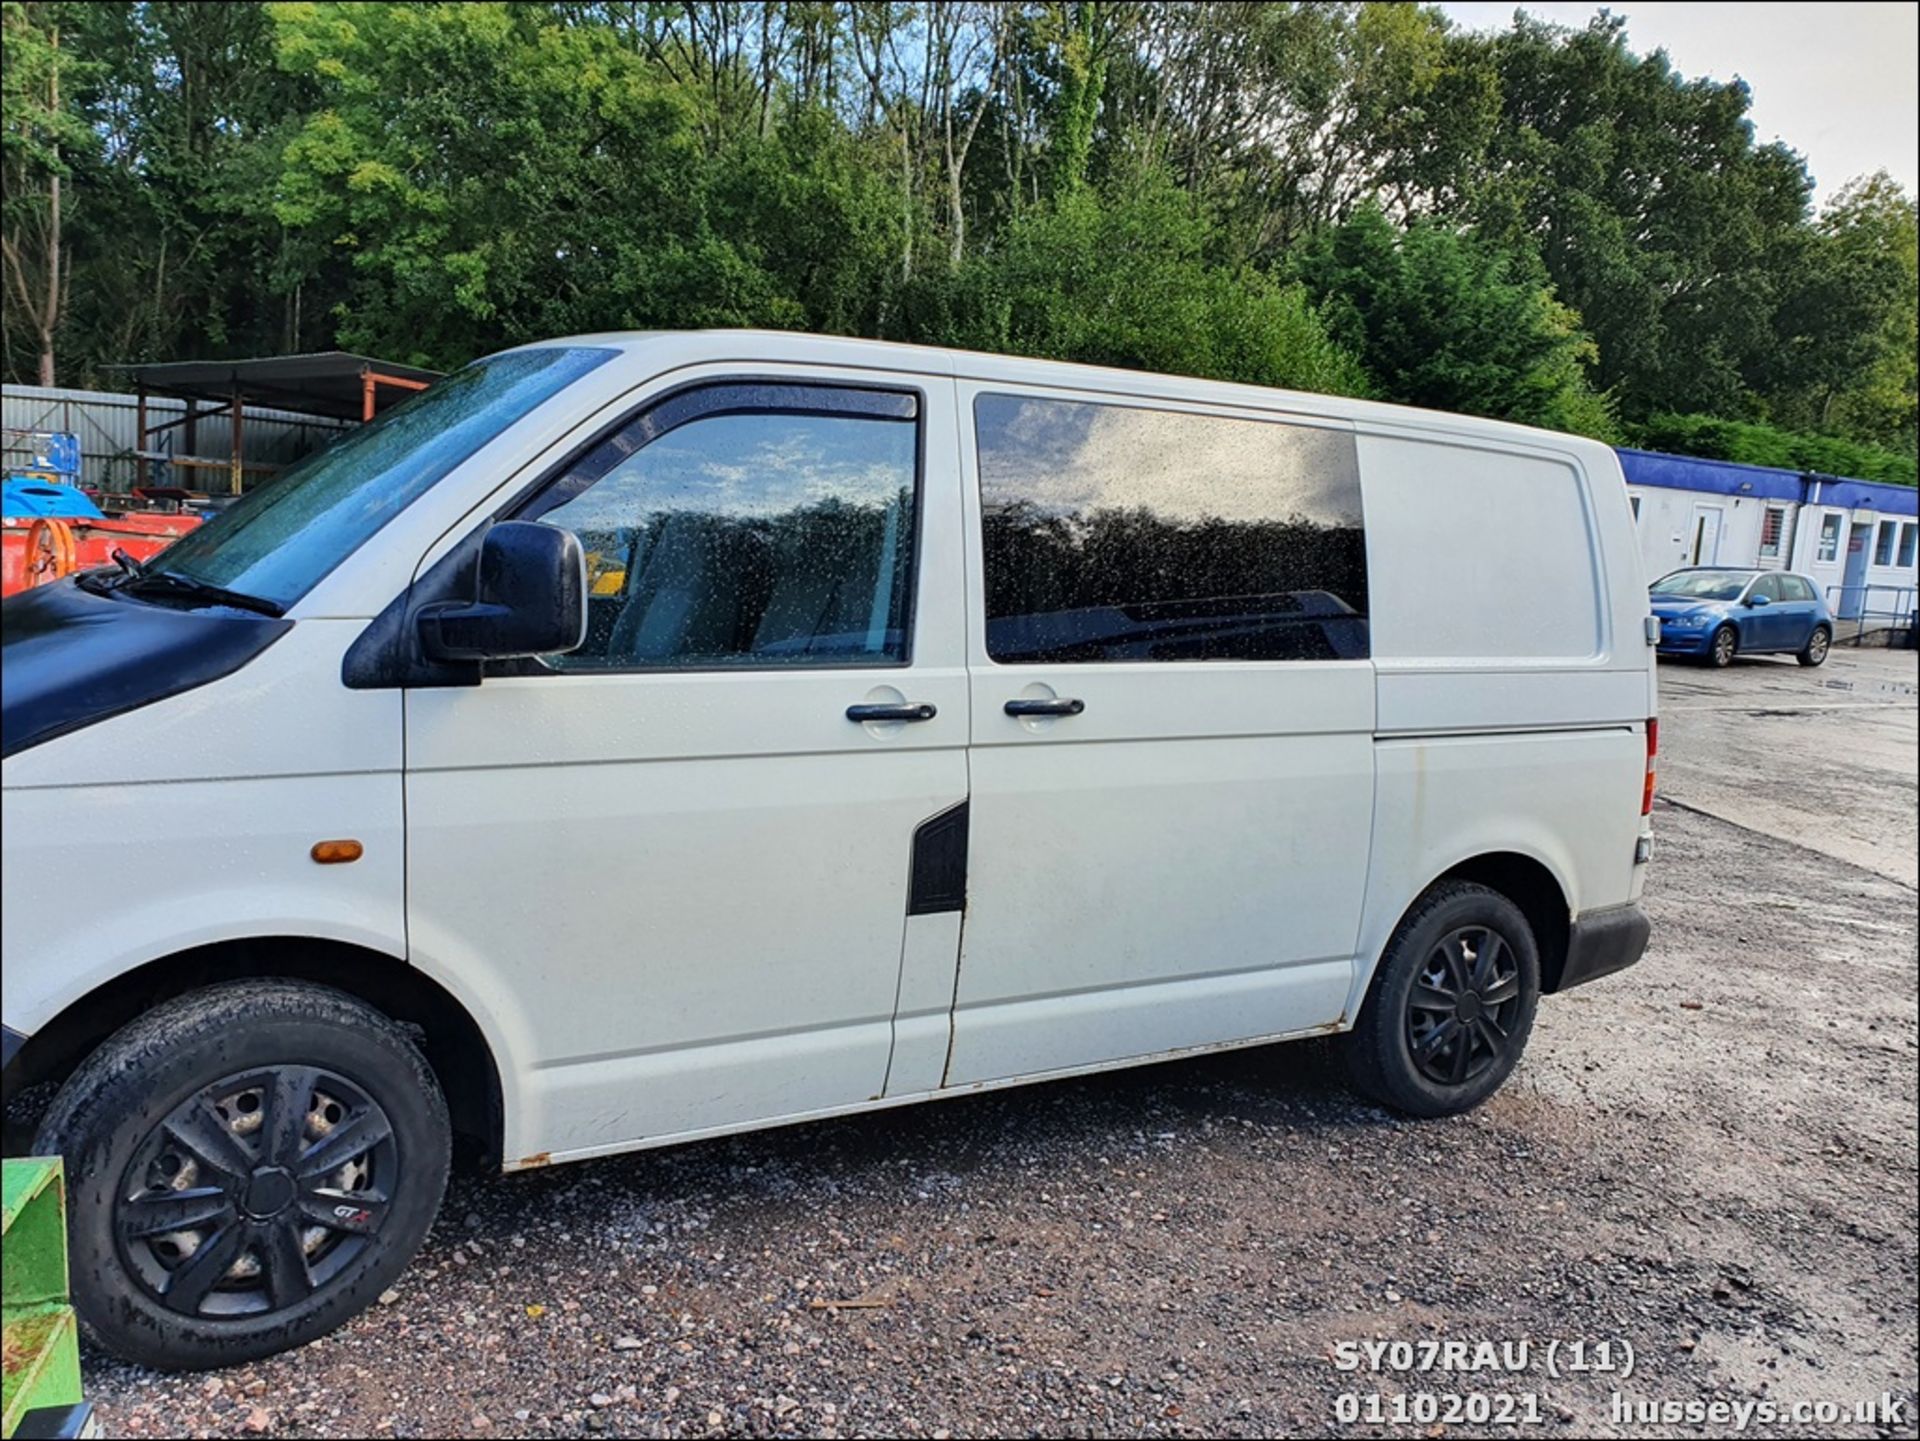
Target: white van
[(639, 738)]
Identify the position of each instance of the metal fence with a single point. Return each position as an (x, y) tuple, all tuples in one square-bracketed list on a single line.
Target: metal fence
[(108, 428), (1891, 612)]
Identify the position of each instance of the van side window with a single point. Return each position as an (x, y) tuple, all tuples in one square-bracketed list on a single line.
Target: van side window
[(1123, 533), (721, 533)]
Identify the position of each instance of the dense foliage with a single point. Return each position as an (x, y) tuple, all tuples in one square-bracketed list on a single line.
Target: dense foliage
[(1755, 444), (1538, 224)]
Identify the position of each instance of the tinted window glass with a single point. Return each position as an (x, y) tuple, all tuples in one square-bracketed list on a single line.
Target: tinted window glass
[(765, 539), (1768, 586), (282, 537), (1795, 589), (1115, 533)]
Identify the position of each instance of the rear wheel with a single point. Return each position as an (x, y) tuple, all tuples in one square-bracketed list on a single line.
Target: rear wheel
[(1451, 1005), (248, 1166), (1723, 647), (1817, 646)]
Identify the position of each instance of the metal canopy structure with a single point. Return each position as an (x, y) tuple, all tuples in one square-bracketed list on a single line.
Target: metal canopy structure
[(333, 383)]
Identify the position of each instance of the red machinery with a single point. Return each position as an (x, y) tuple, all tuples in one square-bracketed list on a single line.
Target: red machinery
[(40, 548)]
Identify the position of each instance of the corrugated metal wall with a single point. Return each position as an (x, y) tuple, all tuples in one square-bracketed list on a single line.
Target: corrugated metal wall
[(108, 426)]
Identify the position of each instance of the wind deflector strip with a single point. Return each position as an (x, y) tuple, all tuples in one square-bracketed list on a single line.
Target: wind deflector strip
[(939, 877)]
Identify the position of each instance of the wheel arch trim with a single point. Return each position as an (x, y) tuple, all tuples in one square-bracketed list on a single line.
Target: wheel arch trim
[(463, 1043), (1480, 864)]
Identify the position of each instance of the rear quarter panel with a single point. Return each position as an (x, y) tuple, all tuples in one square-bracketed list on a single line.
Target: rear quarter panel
[(1514, 675)]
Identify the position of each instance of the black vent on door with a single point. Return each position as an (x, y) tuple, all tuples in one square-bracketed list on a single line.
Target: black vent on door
[(939, 878)]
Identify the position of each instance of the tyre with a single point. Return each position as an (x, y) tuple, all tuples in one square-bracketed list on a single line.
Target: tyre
[(248, 1166), (1724, 646), (1814, 652), (1451, 1005)]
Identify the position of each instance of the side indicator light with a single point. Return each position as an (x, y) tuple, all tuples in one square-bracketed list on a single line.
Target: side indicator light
[(337, 853)]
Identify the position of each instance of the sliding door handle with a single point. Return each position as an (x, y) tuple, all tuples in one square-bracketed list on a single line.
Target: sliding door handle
[(1062, 705), (911, 710)]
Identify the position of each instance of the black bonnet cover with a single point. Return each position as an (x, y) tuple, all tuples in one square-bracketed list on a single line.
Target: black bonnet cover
[(70, 657)]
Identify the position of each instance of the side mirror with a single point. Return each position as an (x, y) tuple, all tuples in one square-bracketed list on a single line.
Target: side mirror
[(531, 598), (1758, 600)]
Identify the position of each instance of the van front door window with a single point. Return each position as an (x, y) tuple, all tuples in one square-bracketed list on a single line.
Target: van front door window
[(761, 539)]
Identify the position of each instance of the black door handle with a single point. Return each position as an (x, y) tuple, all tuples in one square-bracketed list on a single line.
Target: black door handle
[(1065, 705), (910, 710)]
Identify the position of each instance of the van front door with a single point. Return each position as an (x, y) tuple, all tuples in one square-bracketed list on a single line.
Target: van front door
[(675, 861), (1172, 756)]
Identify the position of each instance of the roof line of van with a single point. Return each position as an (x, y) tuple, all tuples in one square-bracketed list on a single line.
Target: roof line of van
[(980, 365)]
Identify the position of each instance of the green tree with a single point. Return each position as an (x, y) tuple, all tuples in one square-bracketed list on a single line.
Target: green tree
[(1658, 219), (1285, 117), (42, 134), (1752, 443), (1081, 34), (484, 174), (1539, 224), (1442, 320), (1117, 275), (182, 250), (1845, 345)]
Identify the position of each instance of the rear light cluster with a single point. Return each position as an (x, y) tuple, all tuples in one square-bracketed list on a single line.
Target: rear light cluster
[(1653, 749)]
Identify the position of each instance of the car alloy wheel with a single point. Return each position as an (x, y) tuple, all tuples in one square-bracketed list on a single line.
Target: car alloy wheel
[(1462, 1008), (1724, 645)]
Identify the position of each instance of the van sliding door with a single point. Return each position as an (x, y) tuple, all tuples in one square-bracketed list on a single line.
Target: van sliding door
[(1171, 759)]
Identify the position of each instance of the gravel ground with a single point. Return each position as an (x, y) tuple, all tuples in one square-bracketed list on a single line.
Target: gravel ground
[(1711, 1157), (1849, 790)]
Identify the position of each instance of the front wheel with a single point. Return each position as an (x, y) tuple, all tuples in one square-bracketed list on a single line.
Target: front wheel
[(1451, 1005), (1724, 646), (248, 1166), (1816, 648)]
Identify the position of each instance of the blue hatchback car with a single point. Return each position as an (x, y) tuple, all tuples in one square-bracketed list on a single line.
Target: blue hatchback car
[(1716, 613)]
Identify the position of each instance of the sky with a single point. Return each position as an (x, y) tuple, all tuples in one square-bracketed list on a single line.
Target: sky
[(1840, 83)]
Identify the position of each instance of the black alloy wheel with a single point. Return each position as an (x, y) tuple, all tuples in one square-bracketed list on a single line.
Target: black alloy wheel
[(1451, 1003), (256, 1192), (248, 1166), (1463, 1006)]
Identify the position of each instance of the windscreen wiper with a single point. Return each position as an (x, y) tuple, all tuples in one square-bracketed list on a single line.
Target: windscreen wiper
[(98, 582), (174, 583)]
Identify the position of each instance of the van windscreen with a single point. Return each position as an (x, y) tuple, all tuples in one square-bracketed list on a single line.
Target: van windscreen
[(281, 538)]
